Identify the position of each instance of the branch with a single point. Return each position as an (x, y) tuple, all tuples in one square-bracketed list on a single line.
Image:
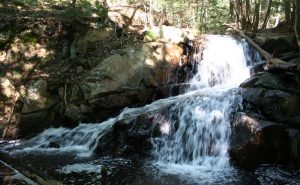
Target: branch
[(272, 63)]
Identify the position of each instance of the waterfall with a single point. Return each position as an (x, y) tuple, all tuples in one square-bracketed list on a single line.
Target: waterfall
[(197, 127), (197, 131)]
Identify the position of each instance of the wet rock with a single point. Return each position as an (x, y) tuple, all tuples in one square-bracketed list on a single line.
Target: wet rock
[(274, 104), (129, 139), (277, 44), (255, 141), (54, 145), (264, 79), (274, 97), (132, 137)]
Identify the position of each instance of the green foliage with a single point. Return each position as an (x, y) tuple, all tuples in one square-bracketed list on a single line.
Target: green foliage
[(29, 38), (217, 15), (25, 2), (150, 36), (132, 1), (102, 11)]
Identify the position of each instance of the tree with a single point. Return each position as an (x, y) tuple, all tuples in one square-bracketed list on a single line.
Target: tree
[(256, 15), (287, 10), (297, 21), (267, 15), (73, 4)]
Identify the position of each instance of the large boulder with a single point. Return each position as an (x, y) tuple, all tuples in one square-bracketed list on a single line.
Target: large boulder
[(39, 109), (257, 141), (277, 44), (130, 78), (269, 132), (36, 97), (143, 66), (275, 95)]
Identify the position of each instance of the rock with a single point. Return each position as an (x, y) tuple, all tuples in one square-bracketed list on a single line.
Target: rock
[(295, 61), (54, 144), (37, 97), (173, 34), (93, 36), (39, 109), (255, 141), (32, 123), (274, 104), (277, 44), (257, 68), (294, 147), (127, 79), (73, 112), (131, 138), (264, 79), (148, 65), (276, 95)]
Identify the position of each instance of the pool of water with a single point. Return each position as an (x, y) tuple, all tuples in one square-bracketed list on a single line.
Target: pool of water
[(71, 169)]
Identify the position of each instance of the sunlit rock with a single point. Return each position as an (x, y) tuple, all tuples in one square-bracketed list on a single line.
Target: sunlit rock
[(37, 97)]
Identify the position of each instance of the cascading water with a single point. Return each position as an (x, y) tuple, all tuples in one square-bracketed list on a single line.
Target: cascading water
[(195, 131), (198, 125), (199, 128)]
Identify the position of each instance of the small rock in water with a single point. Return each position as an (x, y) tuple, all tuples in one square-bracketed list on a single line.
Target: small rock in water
[(54, 145)]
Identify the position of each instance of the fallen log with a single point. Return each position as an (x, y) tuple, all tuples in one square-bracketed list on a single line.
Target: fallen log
[(272, 63)]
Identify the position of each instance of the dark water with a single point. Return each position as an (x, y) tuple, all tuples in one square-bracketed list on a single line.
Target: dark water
[(70, 169)]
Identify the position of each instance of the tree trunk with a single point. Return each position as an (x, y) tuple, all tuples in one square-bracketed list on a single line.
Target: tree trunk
[(231, 10), (73, 4), (256, 15), (287, 10), (267, 15), (297, 21), (242, 14), (248, 10), (293, 13)]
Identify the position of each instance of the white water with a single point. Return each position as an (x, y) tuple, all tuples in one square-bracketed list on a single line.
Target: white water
[(197, 131)]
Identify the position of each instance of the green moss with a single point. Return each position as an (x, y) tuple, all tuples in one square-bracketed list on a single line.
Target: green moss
[(132, 1), (151, 34), (29, 38)]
